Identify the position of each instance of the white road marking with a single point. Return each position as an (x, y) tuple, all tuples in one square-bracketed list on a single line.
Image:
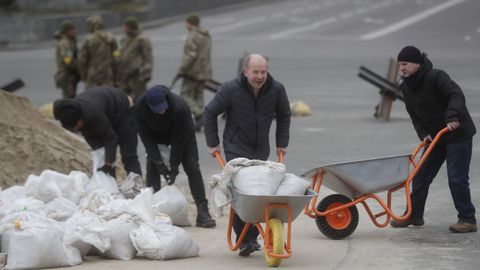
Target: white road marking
[(409, 21), (304, 28), (240, 24)]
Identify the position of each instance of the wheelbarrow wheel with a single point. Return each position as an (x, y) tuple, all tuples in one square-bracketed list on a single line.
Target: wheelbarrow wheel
[(338, 224), (277, 240)]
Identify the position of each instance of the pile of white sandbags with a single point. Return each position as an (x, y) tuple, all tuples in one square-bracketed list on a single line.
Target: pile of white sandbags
[(55, 220)]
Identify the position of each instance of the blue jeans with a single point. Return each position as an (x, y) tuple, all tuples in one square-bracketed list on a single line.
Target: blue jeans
[(458, 156)]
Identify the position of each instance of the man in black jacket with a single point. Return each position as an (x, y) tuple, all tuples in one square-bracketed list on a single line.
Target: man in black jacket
[(164, 118), (250, 101), (103, 116), (434, 101)]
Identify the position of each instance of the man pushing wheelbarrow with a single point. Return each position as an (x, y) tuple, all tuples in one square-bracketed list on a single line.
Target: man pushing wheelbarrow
[(250, 102), (433, 100)]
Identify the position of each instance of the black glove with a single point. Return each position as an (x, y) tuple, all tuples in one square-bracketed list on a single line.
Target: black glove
[(173, 175), (162, 169), (108, 169)]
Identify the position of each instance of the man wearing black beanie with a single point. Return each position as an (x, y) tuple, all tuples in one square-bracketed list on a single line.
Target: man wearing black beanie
[(103, 116), (434, 101)]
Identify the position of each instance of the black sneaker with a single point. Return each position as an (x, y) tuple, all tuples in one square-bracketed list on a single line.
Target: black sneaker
[(245, 249), (255, 245)]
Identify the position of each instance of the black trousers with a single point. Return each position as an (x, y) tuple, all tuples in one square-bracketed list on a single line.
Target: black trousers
[(238, 223), (127, 141), (190, 166)]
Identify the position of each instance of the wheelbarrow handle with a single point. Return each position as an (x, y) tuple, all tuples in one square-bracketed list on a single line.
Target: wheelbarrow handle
[(219, 158), (221, 162)]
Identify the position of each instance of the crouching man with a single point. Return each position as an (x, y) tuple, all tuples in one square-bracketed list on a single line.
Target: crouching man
[(104, 118), (164, 118)]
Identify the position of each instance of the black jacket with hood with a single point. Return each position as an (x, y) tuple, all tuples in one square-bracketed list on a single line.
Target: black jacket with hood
[(249, 119), (433, 100), (102, 109), (174, 128)]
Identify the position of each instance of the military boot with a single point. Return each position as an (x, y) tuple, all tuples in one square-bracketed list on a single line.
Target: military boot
[(463, 227), (203, 217), (198, 122)]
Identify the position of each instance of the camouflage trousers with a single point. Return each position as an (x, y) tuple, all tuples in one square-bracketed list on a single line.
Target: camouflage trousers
[(133, 87), (68, 85), (192, 93)]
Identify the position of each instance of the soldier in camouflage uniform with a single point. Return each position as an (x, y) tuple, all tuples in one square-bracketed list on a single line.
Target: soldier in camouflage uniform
[(67, 76), (196, 67), (97, 55), (135, 61)]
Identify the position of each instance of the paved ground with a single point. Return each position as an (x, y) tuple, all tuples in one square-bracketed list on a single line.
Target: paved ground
[(315, 49)]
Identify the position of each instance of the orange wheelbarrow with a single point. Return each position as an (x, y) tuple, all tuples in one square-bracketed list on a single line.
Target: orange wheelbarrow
[(274, 211), (355, 182)]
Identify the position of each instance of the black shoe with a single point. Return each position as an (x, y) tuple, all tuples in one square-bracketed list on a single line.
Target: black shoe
[(255, 245), (245, 249), (204, 219)]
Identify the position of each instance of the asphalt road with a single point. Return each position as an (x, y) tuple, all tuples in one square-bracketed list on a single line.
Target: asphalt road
[(315, 49)]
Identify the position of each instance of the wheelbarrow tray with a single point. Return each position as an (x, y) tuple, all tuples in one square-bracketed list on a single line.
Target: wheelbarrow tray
[(357, 178), (251, 208)]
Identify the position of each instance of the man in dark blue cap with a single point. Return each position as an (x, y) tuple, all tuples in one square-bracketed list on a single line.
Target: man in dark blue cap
[(164, 118), (103, 117)]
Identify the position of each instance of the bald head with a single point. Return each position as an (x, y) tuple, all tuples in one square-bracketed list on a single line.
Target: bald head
[(255, 69), (254, 58)]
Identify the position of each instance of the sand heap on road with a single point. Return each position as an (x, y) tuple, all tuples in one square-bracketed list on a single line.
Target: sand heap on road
[(29, 143)]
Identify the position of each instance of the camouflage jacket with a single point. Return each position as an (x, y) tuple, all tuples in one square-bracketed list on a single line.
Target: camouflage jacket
[(96, 59), (66, 58), (196, 62), (135, 58)]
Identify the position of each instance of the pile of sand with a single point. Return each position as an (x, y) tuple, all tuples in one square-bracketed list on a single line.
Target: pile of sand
[(29, 143)]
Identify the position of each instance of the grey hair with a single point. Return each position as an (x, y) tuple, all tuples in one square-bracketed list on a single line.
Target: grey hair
[(246, 60)]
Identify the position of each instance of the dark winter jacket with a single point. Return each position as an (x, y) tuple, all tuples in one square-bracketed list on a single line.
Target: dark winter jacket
[(102, 109), (433, 100), (174, 128), (249, 119)]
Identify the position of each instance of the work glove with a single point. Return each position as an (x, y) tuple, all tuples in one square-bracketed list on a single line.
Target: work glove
[(173, 176), (162, 169), (108, 169)]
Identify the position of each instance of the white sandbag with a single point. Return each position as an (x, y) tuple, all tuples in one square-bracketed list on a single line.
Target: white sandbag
[(262, 179), (171, 201), (8, 196), (44, 187), (84, 230), (27, 204), (163, 242), (160, 218), (132, 185), (103, 181), (12, 193), (32, 245), (51, 184), (292, 185), (140, 208), (94, 200), (60, 209), (118, 230)]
